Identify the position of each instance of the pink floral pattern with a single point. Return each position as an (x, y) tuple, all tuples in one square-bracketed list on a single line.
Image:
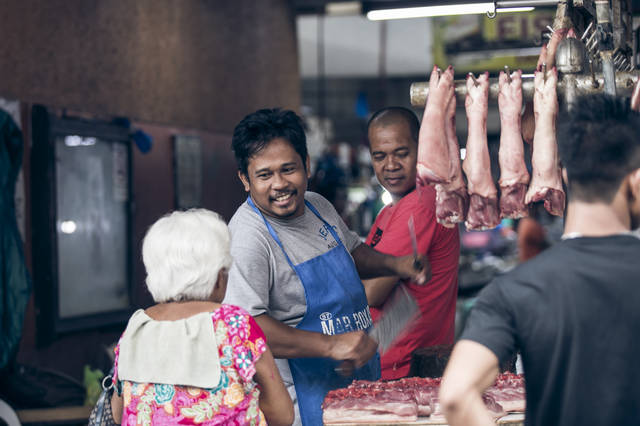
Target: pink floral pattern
[(234, 401)]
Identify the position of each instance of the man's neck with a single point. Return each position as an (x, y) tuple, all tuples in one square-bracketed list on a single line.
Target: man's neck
[(397, 197), (596, 219)]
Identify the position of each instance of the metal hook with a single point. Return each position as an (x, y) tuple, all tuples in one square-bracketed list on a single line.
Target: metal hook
[(493, 14), (594, 82), (475, 82), (506, 70)]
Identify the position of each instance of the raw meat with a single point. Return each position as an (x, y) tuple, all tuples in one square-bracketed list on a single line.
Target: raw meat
[(368, 404), (548, 52), (508, 391), (452, 200), (405, 399), (546, 179), (514, 177), (433, 151), (483, 196)]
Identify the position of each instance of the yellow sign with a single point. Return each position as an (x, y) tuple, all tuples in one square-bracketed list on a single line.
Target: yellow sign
[(475, 43)]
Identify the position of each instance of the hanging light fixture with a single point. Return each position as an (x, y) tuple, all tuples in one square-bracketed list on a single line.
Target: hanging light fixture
[(384, 10)]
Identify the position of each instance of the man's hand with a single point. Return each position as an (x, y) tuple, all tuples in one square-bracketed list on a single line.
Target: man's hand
[(417, 269), (354, 349)]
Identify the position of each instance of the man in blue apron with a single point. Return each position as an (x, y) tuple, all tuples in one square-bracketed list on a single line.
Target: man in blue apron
[(297, 267)]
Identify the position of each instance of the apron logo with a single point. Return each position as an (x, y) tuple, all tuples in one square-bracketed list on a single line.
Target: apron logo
[(360, 320), (324, 231)]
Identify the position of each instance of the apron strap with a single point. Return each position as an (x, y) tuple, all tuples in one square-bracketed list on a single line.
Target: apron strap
[(274, 234)]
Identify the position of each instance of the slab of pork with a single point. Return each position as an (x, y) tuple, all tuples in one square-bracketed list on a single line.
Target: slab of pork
[(452, 200), (483, 196), (514, 177), (433, 151), (546, 178)]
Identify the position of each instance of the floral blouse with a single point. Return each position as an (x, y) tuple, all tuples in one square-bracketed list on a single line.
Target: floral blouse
[(234, 401)]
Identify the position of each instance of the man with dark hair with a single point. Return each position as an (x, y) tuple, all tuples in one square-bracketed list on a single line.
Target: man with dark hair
[(572, 310), (296, 266), (393, 144)]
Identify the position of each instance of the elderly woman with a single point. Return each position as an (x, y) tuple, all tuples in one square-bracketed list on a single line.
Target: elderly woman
[(189, 359)]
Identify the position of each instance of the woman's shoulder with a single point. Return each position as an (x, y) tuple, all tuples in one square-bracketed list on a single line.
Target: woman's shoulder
[(226, 311)]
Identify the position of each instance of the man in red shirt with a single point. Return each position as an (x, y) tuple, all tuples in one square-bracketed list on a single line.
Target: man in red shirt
[(393, 144)]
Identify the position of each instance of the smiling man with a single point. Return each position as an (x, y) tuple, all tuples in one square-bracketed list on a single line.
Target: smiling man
[(393, 144), (296, 266)]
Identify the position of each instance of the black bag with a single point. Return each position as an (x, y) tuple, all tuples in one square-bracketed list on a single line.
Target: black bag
[(101, 414)]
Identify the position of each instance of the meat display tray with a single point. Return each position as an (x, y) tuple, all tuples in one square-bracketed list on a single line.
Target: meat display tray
[(515, 419)]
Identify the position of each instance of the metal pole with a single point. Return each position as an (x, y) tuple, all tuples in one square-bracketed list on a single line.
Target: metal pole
[(569, 85)]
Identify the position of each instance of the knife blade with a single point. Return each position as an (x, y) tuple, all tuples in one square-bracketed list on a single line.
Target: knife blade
[(397, 313)]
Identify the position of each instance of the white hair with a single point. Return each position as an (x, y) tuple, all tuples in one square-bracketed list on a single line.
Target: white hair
[(183, 252)]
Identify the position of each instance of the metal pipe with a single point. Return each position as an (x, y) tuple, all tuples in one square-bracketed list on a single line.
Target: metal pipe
[(609, 73), (582, 83)]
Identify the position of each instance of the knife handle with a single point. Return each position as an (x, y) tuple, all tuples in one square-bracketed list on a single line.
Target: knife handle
[(346, 368), (417, 265)]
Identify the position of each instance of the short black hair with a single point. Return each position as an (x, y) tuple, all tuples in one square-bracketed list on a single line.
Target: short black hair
[(599, 145), (394, 114), (256, 130)]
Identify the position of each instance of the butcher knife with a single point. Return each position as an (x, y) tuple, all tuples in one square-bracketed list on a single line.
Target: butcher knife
[(397, 313)]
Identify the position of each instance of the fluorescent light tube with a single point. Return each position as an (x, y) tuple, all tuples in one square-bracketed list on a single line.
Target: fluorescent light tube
[(445, 10), (515, 9)]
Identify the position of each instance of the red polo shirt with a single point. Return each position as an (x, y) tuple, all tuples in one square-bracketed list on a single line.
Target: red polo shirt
[(437, 298)]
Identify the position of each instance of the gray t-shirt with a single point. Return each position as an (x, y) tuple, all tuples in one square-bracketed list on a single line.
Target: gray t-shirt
[(261, 281)]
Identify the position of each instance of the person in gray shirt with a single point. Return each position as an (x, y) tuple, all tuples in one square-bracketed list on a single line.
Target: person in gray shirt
[(297, 267)]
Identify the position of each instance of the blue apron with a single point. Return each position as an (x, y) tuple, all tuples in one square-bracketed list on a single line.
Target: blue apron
[(336, 303)]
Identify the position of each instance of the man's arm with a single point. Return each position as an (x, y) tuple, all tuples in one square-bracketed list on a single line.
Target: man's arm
[(289, 342), (471, 369), (378, 289), (372, 264)]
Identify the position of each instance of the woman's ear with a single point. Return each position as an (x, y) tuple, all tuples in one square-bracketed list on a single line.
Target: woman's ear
[(220, 287)]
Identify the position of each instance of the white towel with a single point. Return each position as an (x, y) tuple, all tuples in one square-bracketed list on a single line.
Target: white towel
[(182, 352)]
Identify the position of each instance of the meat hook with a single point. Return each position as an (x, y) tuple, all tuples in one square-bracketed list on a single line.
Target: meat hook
[(475, 82), (506, 70)]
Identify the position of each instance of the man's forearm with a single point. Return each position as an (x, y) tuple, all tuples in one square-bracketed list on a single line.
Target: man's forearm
[(471, 369), (378, 289), (371, 263), (468, 411), (290, 342)]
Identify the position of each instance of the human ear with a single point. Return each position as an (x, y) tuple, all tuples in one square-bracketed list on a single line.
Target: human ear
[(565, 179), (245, 180), (308, 168), (634, 183), (220, 287)]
